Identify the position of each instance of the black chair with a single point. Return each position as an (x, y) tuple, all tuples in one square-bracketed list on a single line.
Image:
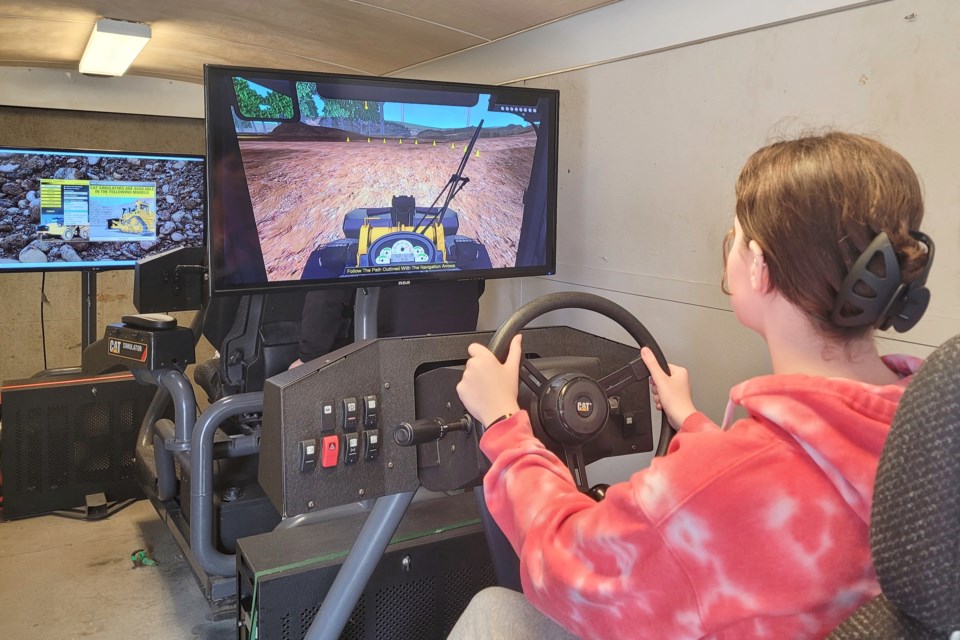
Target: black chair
[(257, 337), (915, 521)]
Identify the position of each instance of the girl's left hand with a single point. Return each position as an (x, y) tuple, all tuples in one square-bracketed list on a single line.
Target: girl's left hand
[(671, 391)]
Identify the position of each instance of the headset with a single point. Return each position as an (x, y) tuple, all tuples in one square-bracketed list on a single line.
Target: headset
[(893, 303)]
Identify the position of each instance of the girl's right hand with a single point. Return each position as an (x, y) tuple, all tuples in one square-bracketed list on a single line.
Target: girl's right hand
[(672, 392), (488, 388)]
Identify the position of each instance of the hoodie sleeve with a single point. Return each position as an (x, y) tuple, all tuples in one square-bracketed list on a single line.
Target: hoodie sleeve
[(698, 422), (600, 569)]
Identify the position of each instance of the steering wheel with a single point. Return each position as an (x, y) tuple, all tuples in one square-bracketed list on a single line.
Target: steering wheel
[(574, 408)]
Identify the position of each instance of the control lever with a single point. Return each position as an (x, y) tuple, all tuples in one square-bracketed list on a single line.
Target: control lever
[(429, 430), (598, 491)]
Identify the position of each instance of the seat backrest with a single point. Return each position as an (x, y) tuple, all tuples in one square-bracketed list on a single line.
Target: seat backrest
[(257, 337), (915, 520)]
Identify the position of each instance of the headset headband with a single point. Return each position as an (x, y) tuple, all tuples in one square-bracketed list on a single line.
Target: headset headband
[(893, 303)]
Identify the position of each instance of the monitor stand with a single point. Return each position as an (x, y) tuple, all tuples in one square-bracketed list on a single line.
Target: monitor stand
[(365, 313), (88, 317), (380, 525)]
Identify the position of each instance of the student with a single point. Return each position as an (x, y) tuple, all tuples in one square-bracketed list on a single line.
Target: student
[(757, 529)]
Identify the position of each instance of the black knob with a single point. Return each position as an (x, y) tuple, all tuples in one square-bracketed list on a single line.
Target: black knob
[(403, 434), (418, 432), (598, 491)]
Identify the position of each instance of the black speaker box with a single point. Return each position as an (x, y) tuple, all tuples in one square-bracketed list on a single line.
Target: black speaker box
[(65, 438), (437, 561)]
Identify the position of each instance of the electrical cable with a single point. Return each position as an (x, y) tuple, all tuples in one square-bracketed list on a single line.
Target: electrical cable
[(43, 332)]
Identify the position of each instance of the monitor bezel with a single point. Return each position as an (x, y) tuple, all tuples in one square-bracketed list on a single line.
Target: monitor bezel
[(75, 267), (218, 287)]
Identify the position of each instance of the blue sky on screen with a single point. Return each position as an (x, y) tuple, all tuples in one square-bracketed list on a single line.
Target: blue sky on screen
[(435, 116)]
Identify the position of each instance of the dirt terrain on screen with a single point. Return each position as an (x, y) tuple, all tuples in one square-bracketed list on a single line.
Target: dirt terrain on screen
[(302, 190)]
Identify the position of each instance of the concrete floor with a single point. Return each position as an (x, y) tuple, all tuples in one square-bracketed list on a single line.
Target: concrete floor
[(70, 579)]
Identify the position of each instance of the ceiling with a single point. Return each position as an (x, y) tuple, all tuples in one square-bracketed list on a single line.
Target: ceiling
[(373, 37)]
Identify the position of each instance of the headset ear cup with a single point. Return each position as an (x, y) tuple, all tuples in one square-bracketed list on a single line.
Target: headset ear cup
[(917, 296), (893, 303), (869, 310), (915, 304)]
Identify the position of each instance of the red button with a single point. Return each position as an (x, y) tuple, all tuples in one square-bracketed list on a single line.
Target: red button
[(330, 451)]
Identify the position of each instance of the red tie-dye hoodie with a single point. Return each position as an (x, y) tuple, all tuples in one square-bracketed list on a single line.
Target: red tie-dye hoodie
[(759, 530)]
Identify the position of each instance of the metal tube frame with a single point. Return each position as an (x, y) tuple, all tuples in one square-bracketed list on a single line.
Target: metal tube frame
[(201, 480), (353, 576)]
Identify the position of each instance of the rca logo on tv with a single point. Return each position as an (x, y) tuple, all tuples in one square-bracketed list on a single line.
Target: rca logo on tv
[(403, 282)]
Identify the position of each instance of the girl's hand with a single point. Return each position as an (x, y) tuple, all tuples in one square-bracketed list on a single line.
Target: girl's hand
[(671, 392), (489, 389)]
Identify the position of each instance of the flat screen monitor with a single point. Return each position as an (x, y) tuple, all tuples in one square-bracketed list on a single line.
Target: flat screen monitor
[(330, 180), (64, 210)]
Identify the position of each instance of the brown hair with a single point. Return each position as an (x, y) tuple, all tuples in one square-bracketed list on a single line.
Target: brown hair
[(814, 204)]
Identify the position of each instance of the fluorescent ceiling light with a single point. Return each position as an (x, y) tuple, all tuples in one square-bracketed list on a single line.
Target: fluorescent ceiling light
[(113, 46)]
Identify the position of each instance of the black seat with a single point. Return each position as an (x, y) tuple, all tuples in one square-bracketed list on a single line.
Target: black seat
[(915, 519), (257, 337)]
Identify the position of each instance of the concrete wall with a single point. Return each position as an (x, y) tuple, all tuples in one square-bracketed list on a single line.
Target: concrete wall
[(650, 147)]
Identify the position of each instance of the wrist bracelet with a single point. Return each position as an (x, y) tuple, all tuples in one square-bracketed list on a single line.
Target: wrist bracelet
[(500, 419)]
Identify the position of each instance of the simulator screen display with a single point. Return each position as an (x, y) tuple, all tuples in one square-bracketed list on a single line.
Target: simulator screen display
[(324, 179), (96, 210)]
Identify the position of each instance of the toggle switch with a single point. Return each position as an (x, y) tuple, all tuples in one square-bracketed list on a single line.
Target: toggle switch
[(371, 444), (308, 455), (631, 425), (351, 414), (351, 448), (330, 452), (370, 412), (328, 417)]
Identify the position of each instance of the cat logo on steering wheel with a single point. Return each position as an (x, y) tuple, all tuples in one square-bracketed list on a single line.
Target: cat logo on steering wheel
[(584, 406)]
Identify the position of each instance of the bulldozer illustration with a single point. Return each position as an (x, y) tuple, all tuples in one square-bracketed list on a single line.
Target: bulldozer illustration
[(139, 218)]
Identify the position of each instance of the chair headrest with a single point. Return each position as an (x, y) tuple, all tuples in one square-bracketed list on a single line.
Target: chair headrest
[(915, 522)]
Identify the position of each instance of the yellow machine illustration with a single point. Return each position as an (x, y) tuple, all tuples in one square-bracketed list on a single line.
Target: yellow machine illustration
[(56, 229), (403, 235), (136, 219)]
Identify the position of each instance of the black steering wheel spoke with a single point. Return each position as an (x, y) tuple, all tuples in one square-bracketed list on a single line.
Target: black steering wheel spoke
[(578, 469), (634, 371), (531, 376)]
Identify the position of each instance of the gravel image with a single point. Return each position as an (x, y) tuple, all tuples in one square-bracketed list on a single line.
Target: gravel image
[(180, 214)]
